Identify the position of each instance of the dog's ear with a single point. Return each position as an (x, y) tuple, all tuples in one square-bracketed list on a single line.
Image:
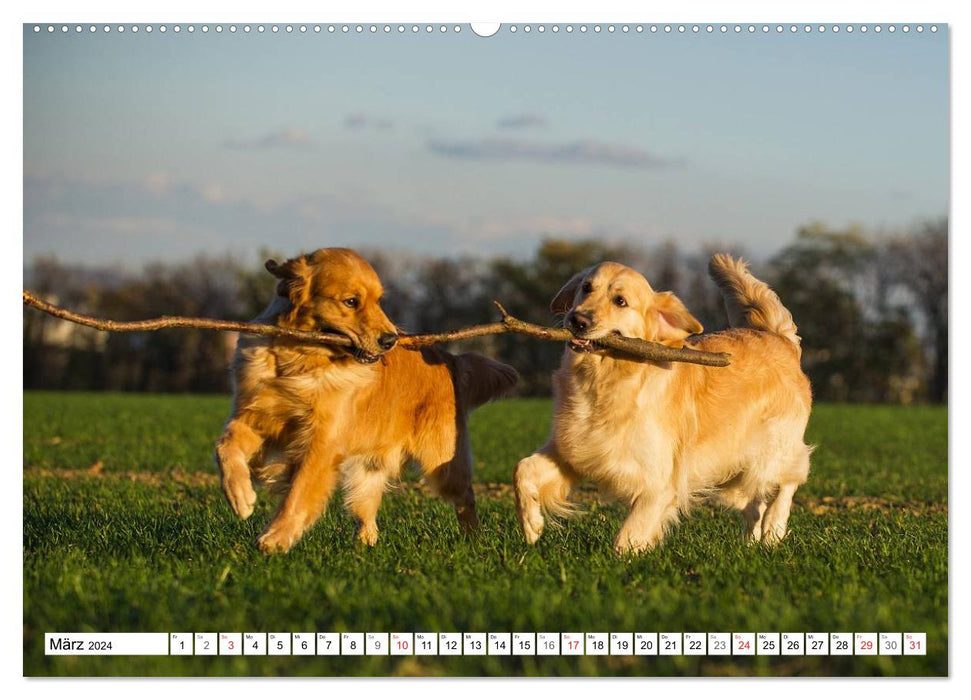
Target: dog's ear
[(275, 268), (293, 276), (563, 301), (674, 321)]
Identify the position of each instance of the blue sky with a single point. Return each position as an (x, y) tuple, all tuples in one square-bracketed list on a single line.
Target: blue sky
[(141, 147)]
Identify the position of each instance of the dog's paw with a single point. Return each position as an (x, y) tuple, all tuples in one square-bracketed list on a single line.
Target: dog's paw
[(468, 520), (368, 534), (241, 496), (772, 536), (530, 518), (277, 539), (629, 546), (533, 527)]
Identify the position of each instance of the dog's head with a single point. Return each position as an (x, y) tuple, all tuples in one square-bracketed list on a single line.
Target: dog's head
[(612, 298), (335, 290)]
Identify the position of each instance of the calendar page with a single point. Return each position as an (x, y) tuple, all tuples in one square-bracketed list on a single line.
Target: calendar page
[(505, 350)]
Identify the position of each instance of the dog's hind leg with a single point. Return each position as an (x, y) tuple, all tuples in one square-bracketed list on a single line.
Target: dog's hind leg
[(734, 495), (752, 518), (747, 500), (774, 528), (543, 482), (365, 480), (452, 480), (234, 451), (775, 523)]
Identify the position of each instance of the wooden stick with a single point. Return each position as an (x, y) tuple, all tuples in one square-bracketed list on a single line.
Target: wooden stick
[(154, 324), (634, 347)]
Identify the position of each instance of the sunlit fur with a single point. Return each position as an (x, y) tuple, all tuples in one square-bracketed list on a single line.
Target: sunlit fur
[(660, 436), (305, 416)]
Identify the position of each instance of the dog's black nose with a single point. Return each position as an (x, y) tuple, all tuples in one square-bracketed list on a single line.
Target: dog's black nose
[(387, 340), (579, 322)]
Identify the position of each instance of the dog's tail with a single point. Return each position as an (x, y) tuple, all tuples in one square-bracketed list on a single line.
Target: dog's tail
[(479, 379), (749, 302)]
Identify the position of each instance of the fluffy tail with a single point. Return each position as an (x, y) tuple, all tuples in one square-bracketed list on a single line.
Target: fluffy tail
[(479, 380), (749, 302)]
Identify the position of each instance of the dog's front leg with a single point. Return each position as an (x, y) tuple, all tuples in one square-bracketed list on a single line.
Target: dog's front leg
[(650, 516), (311, 489), (234, 450), (543, 482)]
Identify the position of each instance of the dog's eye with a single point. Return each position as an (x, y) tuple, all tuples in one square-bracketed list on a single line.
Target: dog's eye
[(352, 303), (586, 288), (620, 301)]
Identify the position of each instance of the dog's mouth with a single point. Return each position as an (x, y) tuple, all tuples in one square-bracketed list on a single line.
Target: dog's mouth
[(585, 345), (580, 344), (364, 357)]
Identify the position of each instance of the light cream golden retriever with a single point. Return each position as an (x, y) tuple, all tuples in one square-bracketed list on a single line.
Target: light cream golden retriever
[(305, 416), (660, 436)]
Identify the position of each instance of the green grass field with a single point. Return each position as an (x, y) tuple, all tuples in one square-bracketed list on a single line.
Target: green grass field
[(125, 529)]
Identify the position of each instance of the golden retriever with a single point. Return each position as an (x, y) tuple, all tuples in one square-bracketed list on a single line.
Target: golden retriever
[(659, 436), (304, 415)]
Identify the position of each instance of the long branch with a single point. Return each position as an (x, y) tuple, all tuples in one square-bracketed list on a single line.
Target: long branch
[(154, 324), (635, 347)]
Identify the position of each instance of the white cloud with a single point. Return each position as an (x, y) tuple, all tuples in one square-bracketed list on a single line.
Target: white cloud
[(157, 183), (525, 120), (131, 223), (292, 137), (360, 120), (586, 152), (113, 225), (214, 193)]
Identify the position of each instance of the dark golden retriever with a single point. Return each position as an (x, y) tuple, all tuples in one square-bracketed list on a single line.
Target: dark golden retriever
[(306, 415)]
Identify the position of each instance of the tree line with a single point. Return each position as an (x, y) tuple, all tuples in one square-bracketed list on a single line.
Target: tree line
[(872, 310)]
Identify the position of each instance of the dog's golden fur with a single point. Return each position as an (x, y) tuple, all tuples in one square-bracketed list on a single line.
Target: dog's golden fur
[(305, 416), (659, 436)]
